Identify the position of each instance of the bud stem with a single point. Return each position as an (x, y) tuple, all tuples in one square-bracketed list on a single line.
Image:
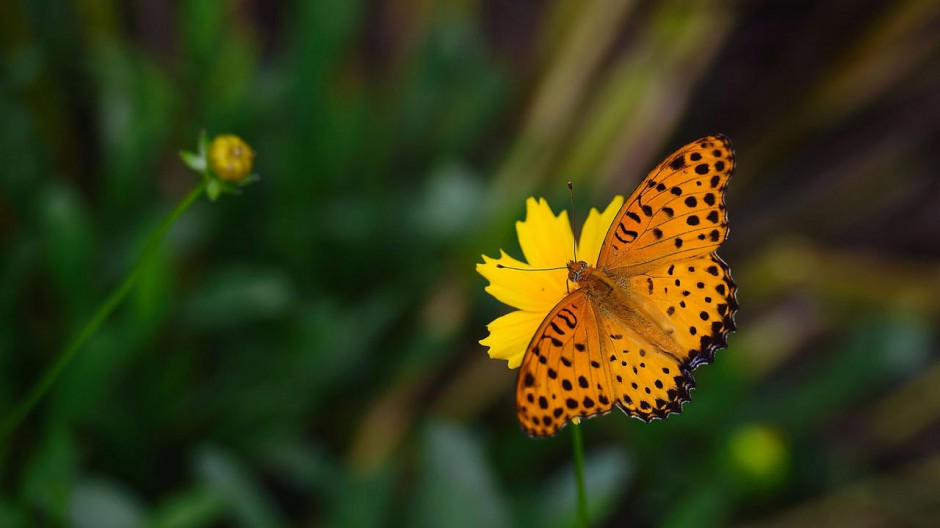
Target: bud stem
[(22, 409)]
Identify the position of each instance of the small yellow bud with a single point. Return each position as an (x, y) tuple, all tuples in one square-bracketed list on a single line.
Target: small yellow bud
[(760, 453), (230, 157)]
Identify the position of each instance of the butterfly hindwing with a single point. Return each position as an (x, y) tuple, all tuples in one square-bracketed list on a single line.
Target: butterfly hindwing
[(562, 374), (694, 300), (677, 212), (647, 382)]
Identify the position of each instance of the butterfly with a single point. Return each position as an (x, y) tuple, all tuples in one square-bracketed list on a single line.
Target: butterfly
[(658, 303)]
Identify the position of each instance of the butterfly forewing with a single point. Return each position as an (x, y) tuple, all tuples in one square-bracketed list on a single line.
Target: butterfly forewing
[(563, 375), (677, 212)]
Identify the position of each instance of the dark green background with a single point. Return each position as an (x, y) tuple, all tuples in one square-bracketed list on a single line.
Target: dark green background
[(306, 354)]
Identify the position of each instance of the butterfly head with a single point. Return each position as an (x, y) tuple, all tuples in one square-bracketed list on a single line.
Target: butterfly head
[(578, 271)]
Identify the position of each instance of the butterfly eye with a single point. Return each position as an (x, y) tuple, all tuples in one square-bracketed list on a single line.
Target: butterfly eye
[(574, 275), (577, 270)]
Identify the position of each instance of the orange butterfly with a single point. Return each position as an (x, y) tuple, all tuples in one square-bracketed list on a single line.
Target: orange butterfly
[(659, 303)]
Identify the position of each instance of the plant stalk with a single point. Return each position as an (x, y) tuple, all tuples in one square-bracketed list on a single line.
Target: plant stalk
[(578, 447), (23, 408)]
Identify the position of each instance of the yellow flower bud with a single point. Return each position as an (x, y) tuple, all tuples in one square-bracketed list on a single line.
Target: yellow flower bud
[(760, 453), (230, 157)]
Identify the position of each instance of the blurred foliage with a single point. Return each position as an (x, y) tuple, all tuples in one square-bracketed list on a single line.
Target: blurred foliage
[(306, 354)]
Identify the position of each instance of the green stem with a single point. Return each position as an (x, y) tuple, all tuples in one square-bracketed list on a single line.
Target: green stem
[(23, 408), (578, 446)]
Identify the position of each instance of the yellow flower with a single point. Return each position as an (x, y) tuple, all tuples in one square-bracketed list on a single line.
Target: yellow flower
[(547, 242), (230, 157)]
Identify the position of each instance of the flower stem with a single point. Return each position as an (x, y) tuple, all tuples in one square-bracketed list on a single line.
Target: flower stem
[(578, 446), (22, 409)]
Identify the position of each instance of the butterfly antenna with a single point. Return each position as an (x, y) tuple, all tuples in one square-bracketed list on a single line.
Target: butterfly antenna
[(574, 221), (500, 266)]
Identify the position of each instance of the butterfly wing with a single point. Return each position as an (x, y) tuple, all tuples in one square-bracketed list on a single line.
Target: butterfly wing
[(662, 244), (647, 382), (580, 364), (563, 375), (677, 212), (694, 301)]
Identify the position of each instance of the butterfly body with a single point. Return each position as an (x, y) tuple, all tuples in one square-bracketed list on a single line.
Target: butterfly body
[(612, 297), (658, 303)]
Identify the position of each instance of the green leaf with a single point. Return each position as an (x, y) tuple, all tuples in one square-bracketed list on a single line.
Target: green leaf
[(456, 486), (135, 103), (214, 189), (606, 478), (97, 503), (235, 295), (193, 161), (223, 474), (68, 239), (12, 515), (50, 476), (449, 204), (203, 144), (194, 508), (704, 508), (365, 499)]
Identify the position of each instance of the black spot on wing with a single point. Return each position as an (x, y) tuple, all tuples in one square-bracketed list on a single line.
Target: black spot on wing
[(624, 235)]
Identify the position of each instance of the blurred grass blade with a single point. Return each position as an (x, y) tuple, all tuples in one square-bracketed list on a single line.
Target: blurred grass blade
[(99, 503), (607, 476), (226, 476), (51, 374), (193, 508), (456, 486), (566, 83)]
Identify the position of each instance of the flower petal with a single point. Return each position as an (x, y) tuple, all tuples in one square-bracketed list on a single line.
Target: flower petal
[(546, 240), (526, 290), (595, 229), (511, 334)]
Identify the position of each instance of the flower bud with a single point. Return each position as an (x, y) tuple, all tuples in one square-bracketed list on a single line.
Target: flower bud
[(230, 157)]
